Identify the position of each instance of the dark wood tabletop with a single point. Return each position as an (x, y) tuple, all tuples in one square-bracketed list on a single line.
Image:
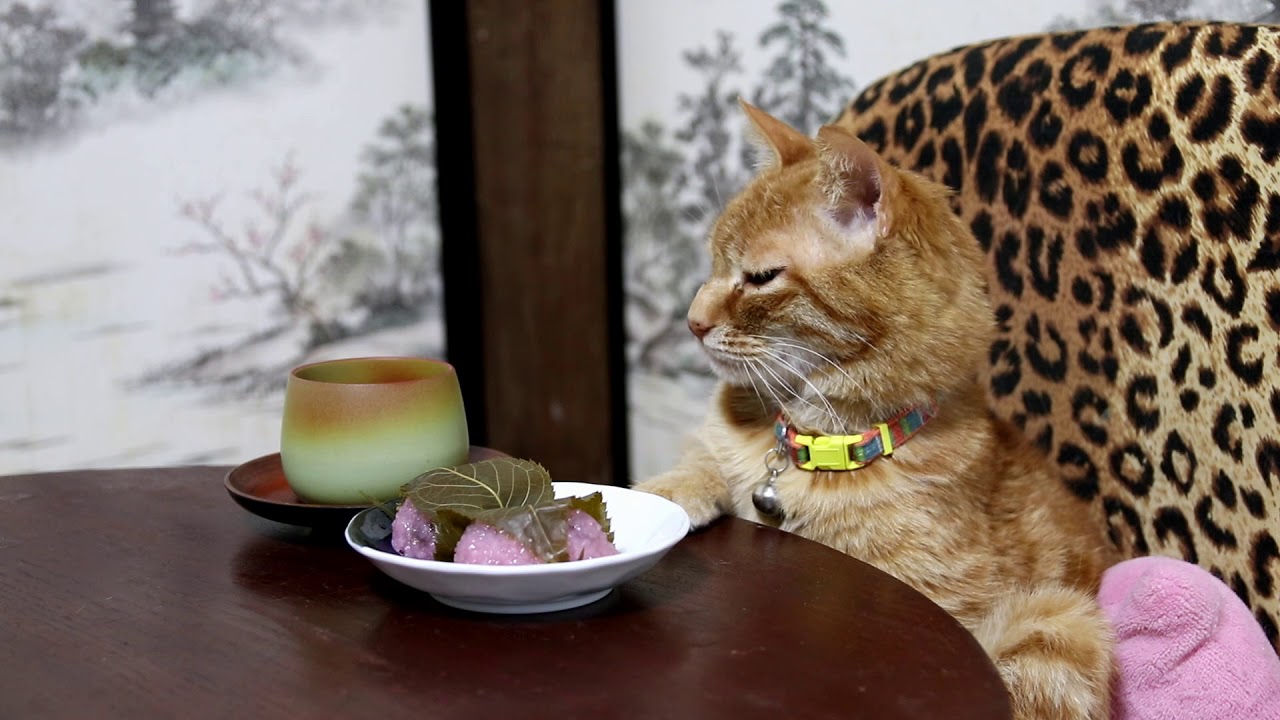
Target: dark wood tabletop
[(149, 593)]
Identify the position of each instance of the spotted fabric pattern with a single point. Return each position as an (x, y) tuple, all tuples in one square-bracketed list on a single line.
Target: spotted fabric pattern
[(1125, 184)]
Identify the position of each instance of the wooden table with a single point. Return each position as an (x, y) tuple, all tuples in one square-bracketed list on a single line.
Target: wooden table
[(148, 593)]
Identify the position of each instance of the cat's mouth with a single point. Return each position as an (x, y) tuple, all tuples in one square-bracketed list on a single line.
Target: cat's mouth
[(753, 362), (727, 362)]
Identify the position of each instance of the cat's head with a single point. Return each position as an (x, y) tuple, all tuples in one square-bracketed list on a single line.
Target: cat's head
[(836, 275)]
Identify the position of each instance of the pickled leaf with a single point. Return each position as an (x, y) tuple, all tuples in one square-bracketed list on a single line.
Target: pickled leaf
[(449, 528), (476, 487), (593, 505), (543, 529)]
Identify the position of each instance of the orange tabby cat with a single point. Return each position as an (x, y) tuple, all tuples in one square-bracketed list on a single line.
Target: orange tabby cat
[(842, 292)]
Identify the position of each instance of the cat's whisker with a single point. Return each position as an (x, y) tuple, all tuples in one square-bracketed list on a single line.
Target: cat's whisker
[(715, 187), (782, 342), (781, 359), (785, 386), (856, 336), (698, 212), (752, 366), (751, 377), (784, 354)]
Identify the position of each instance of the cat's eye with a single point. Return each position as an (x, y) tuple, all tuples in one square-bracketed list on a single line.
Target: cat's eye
[(761, 277)]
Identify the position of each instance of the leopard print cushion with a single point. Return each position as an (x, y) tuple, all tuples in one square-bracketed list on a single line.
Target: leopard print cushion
[(1125, 183)]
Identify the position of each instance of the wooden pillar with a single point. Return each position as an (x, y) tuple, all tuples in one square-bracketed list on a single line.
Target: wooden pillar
[(537, 282)]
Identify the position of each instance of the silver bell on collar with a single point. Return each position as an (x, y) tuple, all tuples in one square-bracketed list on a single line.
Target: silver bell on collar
[(765, 496)]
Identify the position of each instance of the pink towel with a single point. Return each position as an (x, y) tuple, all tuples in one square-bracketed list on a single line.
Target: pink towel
[(1186, 647)]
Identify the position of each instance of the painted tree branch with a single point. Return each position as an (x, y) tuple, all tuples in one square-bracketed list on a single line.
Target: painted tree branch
[(259, 254)]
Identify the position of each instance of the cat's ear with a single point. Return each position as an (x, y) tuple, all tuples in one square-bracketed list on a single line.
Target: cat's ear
[(777, 143), (857, 182)]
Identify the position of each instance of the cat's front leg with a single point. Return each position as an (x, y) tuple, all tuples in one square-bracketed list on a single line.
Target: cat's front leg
[(694, 484)]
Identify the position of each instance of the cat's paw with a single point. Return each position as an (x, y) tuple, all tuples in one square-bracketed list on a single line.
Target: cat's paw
[(698, 496)]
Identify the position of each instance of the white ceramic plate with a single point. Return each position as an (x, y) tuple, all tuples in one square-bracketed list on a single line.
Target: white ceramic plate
[(645, 527)]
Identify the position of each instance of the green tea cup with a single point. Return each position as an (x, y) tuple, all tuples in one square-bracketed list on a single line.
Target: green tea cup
[(355, 430)]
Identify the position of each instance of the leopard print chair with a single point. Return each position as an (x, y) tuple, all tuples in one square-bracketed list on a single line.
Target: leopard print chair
[(1125, 183)]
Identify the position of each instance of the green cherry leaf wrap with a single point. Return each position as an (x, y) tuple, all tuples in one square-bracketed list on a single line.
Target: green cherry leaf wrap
[(511, 495), (475, 487)]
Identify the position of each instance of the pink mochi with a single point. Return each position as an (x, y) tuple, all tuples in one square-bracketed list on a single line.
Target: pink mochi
[(586, 538), (482, 544), (413, 535)]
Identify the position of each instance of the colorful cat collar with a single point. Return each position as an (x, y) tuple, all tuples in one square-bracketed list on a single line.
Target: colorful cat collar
[(850, 452)]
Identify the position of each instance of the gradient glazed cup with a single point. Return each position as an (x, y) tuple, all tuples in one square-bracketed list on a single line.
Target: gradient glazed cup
[(357, 429)]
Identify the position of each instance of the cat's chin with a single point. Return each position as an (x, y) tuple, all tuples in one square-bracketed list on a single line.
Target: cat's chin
[(730, 370)]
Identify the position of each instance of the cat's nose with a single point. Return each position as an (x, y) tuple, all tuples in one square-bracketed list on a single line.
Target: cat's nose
[(699, 328)]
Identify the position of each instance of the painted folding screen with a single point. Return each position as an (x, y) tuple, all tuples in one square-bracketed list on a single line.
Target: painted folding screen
[(195, 196)]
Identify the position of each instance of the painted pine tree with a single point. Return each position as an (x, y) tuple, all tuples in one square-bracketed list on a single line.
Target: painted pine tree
[(396, 200), (658, 249), (1127, 12), (711, 126), (802, 86), (37, 48), (1160, 9), (152, 22)]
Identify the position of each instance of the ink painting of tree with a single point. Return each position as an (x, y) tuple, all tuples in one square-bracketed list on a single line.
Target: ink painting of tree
[(37, 51), (68, 65), (202, 195), (803, 88), (676, 180), (1128, 12), (372, 267), (396, 200)]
